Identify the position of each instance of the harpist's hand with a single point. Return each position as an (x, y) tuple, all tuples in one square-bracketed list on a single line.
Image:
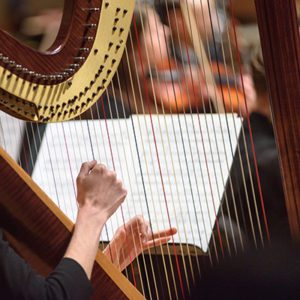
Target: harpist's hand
[(99, 190), (99, 194), (132, 238)]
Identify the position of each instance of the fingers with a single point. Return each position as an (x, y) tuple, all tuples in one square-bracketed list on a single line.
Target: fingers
[(87, 167), (164, 233), (160, 238), (156, 242)]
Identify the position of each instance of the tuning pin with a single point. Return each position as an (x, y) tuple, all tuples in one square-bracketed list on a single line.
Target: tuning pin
[(79, 58), (70, 70), (18, 67), (74, 65), (93, 9), (90, 25), (88, 38), (52, 77), (44, 77), (84, 49)]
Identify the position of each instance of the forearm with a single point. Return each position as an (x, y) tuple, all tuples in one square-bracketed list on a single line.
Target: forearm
[(19, 281), (85, 240)]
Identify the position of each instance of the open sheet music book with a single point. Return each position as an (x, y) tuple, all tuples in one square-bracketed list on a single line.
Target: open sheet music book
[(172, 165)]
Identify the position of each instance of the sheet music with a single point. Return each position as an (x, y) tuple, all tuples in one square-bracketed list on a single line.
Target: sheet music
[(171, 165)]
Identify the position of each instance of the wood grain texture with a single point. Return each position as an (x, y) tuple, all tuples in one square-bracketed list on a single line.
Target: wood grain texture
[(40, 232), (60, 56), (279, 34), (45, 98)]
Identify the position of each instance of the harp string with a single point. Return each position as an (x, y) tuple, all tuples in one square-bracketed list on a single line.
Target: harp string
[(239, 152), (172, 162), (69, 161), (121, 208), (188, 94), (100, 159), (106, 161), (218, 70), (146, 163), (51, 166), (250, 131), (29, 148), (139, 195), (235, 132), (135, 139), (25, 153), (157, 154), (36, 143), (129, 177), (170, 155), (218, 113), (222, 135), (201, 133), (250, 214), (121, 169), (181, 136), (214, 132), (167, 134)]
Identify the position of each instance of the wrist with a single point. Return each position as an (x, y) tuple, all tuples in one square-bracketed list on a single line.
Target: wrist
[(90, 222), (91, 213), (85, 239)]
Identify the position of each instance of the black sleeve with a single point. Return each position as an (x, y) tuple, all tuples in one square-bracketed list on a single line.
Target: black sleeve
[(19, 281)]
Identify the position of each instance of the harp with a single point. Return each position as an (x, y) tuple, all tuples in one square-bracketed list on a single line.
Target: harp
[(57, 89)]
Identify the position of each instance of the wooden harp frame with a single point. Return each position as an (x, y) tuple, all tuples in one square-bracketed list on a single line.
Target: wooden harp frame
[(279, 33)]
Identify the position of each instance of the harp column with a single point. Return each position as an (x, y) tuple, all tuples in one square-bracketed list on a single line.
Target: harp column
[(279, 32)]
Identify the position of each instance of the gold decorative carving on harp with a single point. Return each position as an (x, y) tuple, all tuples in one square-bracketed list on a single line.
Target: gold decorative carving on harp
[(154, 122)]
